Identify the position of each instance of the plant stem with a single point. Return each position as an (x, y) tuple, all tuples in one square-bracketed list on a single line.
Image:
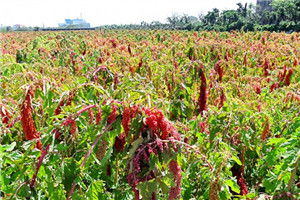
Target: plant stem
[(38, 165)]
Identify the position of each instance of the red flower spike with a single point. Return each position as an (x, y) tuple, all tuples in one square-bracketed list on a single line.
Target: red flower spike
[(140, 63), (113, 43), (72, 124), (219, 70), (238, 172), (113, 115), (175, 169), (222, 99), (158, 124), (99, 116), (202, 101), (266, 130), (116, 79), (129, 50), (27, 122), (126, 118), (274, 86), (120, 143), (266, 67), (73, 127), (91, 116), (5, 114), (287, 80), (295, 62), (257, 89)]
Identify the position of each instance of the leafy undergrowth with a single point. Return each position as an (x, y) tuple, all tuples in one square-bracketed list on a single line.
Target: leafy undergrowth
[(149, 115)]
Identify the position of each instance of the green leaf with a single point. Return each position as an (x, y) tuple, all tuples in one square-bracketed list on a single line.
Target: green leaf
[(8, 147), (24, 191), (233, 185), (273, 141), (95, 189), (251, 195), (164, 186), (236, 159), (147, 188)]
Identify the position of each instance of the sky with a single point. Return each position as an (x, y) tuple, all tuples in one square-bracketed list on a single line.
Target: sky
[(100, 12)]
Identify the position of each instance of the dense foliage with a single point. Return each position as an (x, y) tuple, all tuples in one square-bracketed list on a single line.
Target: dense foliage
[(283, 15), (149, 115)]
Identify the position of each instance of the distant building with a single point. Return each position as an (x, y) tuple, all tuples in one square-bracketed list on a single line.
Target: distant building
[(75, 23), (263, 5), (18, 27)]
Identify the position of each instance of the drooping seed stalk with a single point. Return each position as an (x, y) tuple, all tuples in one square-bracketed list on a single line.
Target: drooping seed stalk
[(27, 121)]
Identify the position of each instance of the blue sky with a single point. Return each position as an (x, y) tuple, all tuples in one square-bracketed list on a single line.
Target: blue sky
[(99, 12)]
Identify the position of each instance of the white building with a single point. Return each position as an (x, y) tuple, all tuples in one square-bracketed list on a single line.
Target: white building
[(78, 23)]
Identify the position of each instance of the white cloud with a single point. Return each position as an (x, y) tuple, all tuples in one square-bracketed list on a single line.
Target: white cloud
[(99, 12)]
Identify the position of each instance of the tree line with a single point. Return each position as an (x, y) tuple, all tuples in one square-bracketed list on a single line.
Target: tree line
[(283, 15)]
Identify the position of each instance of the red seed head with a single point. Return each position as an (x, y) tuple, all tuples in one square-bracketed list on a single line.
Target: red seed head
[(257, 89), (5, 114), (274, 86), (287, 80), (202, 101), (129, 50), (245, 60), (266, 130), (27, 121), (222, 99), (120, 143), (99, 116), (113, 115), (219, 70), (175, 169), (295, 62)]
